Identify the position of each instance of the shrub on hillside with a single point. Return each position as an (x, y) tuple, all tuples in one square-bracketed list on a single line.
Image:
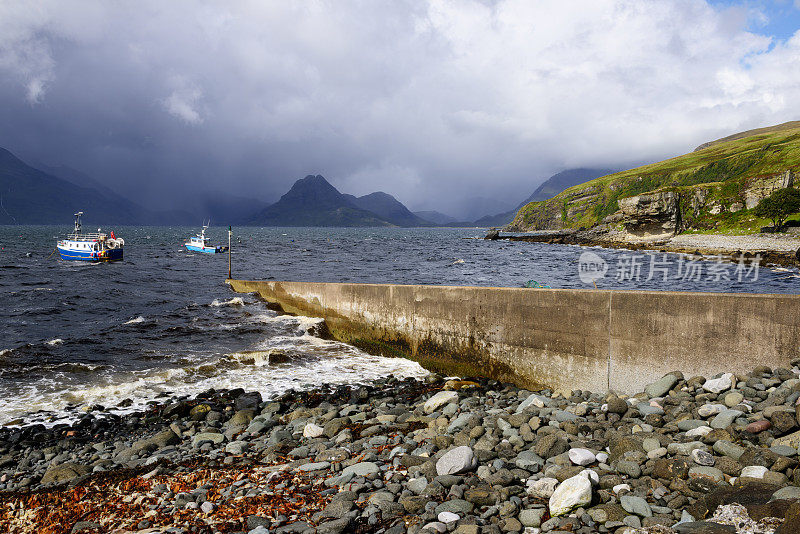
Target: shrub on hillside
[(779, 205)]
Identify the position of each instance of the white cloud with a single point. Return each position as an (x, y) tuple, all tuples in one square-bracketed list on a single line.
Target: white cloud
[(448, 98), (184, 101)]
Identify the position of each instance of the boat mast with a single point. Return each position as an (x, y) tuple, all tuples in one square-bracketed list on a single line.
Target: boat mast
[(78, 222)]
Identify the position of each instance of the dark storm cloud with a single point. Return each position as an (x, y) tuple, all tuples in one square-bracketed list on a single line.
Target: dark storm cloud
[(435, 103)]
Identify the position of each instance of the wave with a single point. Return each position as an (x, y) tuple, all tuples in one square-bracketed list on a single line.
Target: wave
[(54, 342), (137, 320), (293, 362), (235, 301), (5, 351)]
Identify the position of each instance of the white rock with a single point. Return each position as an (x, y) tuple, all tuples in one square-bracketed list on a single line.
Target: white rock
[(602, 457), (436, 526), (718, 385), (699, 431), (542, 488), (448, 517), (619, 487), (581, 456), (456, 461), (754, 471), (570, 494), (438, 400), (707, 410), (312, 431), (593, 477), (533, 400)]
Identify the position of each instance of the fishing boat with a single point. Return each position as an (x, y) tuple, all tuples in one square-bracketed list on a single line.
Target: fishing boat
[(97, 246), (199, 243)]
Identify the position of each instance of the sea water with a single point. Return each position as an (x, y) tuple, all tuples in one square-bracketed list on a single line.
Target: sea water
[(163, 322)]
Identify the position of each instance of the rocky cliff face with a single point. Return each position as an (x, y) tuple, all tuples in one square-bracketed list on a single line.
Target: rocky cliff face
[(713, 187), (761, 187), (655, 214), (651, 215)]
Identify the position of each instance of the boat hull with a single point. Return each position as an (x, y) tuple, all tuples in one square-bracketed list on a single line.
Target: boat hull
[(205, 250), (81, 255)]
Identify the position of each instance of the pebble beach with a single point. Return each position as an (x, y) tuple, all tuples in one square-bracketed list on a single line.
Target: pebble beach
[(688, 454)]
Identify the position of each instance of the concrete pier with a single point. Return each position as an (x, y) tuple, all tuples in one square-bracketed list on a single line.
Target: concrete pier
[(563, 338)]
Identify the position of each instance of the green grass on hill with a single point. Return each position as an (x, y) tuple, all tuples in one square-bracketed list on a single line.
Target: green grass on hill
[(729, 165)]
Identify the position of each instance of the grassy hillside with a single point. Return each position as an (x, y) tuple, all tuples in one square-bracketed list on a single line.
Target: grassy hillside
[(721, 174)]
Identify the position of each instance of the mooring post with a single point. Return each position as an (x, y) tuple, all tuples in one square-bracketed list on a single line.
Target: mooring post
[(230, 231)]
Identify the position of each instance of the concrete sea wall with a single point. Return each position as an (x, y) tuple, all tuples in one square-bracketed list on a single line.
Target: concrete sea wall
[(563, 338)]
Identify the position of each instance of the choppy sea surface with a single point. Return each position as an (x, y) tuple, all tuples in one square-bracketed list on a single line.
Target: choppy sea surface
[(163, 321)]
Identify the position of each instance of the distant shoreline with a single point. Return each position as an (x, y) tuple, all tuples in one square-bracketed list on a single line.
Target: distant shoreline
[(777, 249)]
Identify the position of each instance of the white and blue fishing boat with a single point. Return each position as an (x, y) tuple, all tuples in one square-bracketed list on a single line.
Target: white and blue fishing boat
[(90, 247), (199, 243)]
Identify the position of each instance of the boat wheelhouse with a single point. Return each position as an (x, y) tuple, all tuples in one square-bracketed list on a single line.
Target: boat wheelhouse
[(95, 247)]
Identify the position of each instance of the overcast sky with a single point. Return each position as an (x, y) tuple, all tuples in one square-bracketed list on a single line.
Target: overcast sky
[(434, 102)]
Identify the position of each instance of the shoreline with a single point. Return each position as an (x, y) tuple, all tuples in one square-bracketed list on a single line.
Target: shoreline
[(432, 455), (773, 249)]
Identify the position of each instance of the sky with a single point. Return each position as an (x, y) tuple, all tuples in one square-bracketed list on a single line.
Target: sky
[(438, 103)]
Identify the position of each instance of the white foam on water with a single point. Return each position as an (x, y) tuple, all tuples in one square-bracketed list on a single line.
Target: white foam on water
[(235, 301), (53, 342), (136, 320), (5, 351), (305, 362)]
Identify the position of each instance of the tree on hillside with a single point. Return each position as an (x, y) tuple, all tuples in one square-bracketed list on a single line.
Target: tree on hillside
[(779, 205)]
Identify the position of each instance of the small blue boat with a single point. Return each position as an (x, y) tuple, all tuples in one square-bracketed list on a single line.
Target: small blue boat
[(199, 243), (90, 247)]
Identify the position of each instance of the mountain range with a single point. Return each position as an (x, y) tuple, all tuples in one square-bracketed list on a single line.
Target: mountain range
[(45, 194)]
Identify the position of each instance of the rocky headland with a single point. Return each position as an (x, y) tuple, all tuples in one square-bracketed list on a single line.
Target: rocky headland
[(713, 190), (687, 455)]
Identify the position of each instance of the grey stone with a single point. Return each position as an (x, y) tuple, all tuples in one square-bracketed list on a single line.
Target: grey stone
[(661, 386), (456, 461), (534, 400), (531, 517), (214, 438), (725, 418), (456, 506), (726, 448), (314, 466), (361, 469), (337, 526), (636, 505), (529, 461), (627, 467), (789, 492), (65, 472)]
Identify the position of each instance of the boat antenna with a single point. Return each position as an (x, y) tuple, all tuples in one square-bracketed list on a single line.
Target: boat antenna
[(78, 222)]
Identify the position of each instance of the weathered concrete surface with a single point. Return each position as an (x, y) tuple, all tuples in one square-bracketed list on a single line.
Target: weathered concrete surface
[(571, 339)]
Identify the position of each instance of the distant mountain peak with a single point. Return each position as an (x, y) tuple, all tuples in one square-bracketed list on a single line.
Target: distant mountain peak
[(313, 201)]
